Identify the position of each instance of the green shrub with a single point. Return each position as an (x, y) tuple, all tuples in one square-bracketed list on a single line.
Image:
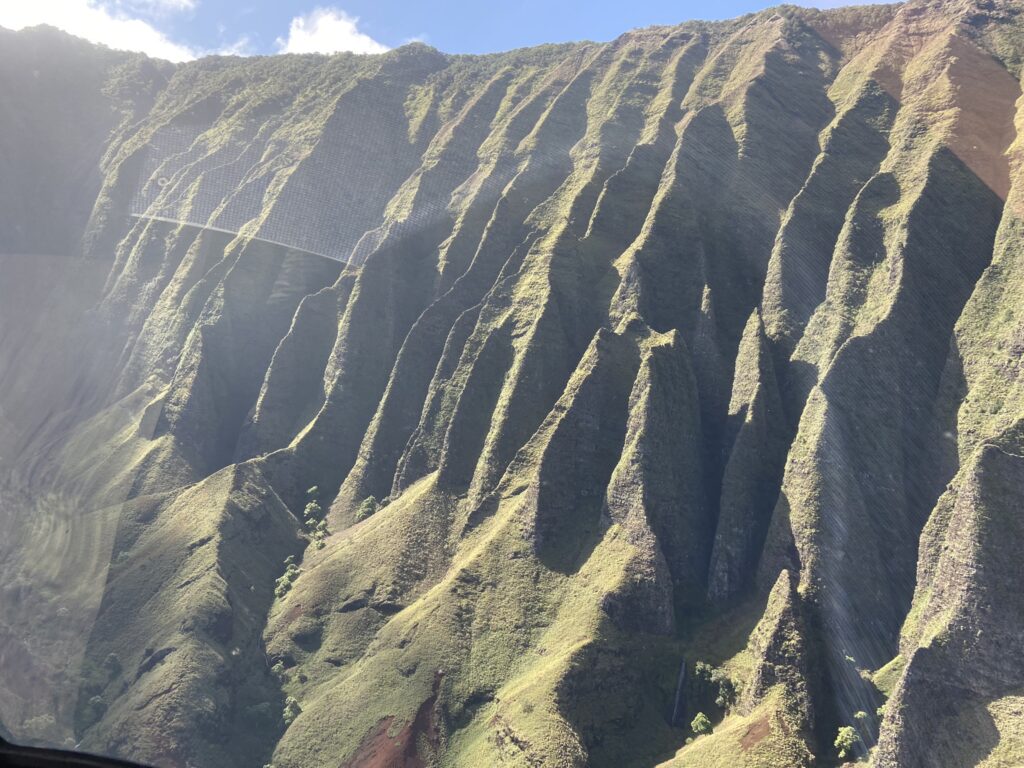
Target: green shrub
[(318, 530), (726, 696), (291, 710), (846, 740), (284, 582), (715, 683), (701, 725), (113, 663), (367, 508)]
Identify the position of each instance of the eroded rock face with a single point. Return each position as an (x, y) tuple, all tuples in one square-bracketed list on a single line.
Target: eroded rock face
[(588, 362), (961, 643), (779, 647)]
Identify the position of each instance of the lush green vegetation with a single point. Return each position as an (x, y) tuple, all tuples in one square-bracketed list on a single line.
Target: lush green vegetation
[(846, 739), (700, 725)]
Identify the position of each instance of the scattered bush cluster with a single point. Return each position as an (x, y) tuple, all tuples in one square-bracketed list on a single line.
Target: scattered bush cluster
[(316, 527), (291, 573), (291, 710), (367, 508), (315, 523), (716, 682), (95, 679)]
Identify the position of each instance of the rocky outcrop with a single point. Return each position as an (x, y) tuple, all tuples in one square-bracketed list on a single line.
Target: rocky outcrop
[(756, 441), (778, 646), (961, 642)]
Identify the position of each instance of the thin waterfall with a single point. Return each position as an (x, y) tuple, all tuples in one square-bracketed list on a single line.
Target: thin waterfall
[(677, 710)]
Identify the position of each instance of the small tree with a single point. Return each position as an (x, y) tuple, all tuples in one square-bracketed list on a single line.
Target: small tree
[(701, 725), (846, 740)]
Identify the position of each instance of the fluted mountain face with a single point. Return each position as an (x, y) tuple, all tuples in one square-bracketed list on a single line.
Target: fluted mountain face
[(510, 410)]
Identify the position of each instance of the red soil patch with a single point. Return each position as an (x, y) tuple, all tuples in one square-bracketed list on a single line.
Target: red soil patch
[(755, 734), (379, 750)]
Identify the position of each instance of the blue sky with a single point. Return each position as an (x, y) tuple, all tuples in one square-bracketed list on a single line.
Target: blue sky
[(183, 29)]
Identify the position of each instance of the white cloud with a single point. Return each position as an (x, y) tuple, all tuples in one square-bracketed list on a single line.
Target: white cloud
[(100, 24), (327, 30), (157, 7), (241, 47)]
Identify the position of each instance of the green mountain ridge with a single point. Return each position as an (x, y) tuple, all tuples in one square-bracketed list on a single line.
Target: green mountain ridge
[(700, 349)]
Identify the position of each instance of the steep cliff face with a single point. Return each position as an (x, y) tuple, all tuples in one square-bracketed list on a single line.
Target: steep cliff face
[(417, 409)]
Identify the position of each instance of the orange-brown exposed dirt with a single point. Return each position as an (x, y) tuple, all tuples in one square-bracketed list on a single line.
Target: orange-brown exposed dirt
[(755, 734), (381, 750)]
